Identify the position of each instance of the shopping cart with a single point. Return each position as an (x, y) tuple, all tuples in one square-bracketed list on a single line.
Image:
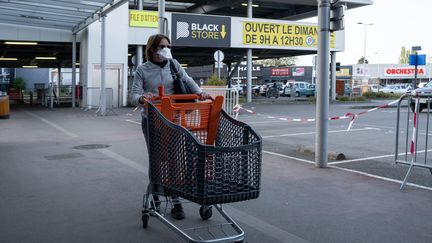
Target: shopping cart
[(201, 154)]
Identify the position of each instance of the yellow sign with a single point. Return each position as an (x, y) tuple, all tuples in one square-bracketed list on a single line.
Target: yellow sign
[(141, 18), (276, 34), (343, 72)]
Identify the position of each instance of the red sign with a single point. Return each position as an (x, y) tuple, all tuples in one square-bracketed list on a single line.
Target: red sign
[(280, 72), (408, 71)]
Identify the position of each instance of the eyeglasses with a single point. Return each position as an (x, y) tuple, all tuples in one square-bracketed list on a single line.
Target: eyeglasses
[(164, 46)]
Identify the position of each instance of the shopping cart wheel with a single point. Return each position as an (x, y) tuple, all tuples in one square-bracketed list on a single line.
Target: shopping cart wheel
[(145, 218), (205, 212)]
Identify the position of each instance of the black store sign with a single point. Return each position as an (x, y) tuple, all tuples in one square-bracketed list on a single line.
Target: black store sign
[(200, 31)]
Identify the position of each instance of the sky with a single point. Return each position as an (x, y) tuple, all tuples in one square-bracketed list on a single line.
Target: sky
[(396, 23)]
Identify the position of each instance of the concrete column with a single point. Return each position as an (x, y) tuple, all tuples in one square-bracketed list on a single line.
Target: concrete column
[(73, 69), (139, 48), (102, 105), (161, 9)]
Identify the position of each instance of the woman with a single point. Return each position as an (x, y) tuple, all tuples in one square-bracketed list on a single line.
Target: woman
[(154, 73)]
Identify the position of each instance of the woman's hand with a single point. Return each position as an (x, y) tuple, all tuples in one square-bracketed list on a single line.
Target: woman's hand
[(146, 96), (203, 96)]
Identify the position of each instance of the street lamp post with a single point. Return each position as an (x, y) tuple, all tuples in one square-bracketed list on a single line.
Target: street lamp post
[(364, 46), (415, 49)]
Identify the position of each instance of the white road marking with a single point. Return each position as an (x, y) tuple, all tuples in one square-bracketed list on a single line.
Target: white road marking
[(378, 126), (311, 133), (58, 127), (373, 157), (363, 159), (353, 171), (289, 157), (382, 178), (266, 122), (263, 226), (141, 168), (132, 121)]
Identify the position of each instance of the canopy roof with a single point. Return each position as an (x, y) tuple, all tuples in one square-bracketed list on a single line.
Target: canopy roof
[(74, 15)]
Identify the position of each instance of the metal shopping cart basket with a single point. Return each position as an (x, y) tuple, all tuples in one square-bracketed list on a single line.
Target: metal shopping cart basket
[(201, 154)]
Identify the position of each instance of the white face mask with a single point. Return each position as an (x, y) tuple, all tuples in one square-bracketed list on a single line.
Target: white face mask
[(165, 53)]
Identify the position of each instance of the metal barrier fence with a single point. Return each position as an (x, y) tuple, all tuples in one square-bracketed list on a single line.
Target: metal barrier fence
[(54, 94), (413, 136), (94, 98), (231, 98)]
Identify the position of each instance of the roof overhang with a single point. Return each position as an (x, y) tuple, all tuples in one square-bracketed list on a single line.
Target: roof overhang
[(72, 15), (75, 15)]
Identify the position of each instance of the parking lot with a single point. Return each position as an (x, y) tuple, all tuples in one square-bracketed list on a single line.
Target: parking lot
[(369, 146)]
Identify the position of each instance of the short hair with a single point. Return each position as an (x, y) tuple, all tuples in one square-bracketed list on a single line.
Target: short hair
[(153, 44)]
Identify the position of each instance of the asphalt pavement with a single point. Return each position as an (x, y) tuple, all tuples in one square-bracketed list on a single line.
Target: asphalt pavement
[(69, 175)]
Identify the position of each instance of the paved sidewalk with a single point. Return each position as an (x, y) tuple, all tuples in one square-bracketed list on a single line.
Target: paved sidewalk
[(52, 192)]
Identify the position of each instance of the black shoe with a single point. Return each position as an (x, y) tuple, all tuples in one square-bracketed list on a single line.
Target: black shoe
[(177, 212), (155, 205)]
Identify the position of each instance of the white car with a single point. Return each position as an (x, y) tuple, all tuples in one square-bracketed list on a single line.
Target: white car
[(375, 88), (396, 88), (422, 84), (239, 88)]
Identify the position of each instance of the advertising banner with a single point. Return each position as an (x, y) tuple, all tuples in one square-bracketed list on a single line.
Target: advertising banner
[(298, 71), (343, 72), (403, 71), (141, 18), (280, 72), (281, 34), (200, 30)]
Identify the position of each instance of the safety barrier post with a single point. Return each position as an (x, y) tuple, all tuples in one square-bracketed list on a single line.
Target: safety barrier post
[(411, 146), (231, 98)]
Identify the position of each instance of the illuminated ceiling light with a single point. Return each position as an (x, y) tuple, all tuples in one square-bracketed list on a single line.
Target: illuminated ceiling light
[(254, 57), (31, 66), (129, 54), (8, 58), (77, 64), (45, 58), (253, 5), (20, 43), (183, 65)]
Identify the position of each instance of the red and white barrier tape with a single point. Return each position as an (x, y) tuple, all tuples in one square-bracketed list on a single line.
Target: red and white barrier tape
[(414, 133), (348, 115)]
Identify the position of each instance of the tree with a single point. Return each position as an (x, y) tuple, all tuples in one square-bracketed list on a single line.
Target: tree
[(404, 56), (18, 84), (215, 81), (282, 61), (362, 60)]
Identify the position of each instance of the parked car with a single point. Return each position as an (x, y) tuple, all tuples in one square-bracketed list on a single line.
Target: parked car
[(240, 88), (255, 90), (425, 95), (273, 89), (263, 89), (396, 89), (422, 84), (375, 88), (310, 90), (301, 89)]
